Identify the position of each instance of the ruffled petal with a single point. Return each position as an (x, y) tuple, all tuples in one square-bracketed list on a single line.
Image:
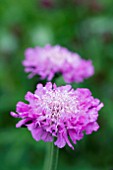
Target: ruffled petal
[(22, 107), (67, 141), (91, 127), (23, 122), (60, 142), (14, 114), (37, 133)]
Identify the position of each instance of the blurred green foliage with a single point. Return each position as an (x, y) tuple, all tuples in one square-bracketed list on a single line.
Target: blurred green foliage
[(84, 26)]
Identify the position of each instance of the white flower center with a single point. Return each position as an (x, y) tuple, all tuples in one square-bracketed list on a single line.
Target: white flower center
[(59, 104)]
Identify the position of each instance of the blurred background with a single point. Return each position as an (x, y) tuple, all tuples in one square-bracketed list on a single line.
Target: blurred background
[(83, 26)]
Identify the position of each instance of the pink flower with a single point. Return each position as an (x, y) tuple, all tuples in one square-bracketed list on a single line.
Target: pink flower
[(49, 60), (60, 113)]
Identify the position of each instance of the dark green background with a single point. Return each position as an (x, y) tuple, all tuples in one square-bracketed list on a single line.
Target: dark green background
[(83, 26)]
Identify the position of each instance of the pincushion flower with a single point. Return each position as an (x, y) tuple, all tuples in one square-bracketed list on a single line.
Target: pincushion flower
[(59, 113), (49, 60)]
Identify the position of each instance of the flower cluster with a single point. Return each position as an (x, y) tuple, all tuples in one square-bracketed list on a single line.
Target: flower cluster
[(48, 61), (59, 113)]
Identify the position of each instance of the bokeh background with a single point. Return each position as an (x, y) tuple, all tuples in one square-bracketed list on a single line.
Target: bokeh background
[(83, 26)]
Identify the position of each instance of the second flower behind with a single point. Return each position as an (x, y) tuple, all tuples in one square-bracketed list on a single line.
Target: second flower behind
[(49, 60)]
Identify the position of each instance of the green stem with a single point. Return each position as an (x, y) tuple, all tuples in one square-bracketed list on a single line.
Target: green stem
[(47, 156), (51, 157)]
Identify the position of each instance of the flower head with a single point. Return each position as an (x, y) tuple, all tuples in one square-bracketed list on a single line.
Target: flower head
[(50, 60), (59, 112)]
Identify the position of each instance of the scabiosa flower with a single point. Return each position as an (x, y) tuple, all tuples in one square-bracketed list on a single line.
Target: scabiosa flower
[(60, 113), (49, 60)]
